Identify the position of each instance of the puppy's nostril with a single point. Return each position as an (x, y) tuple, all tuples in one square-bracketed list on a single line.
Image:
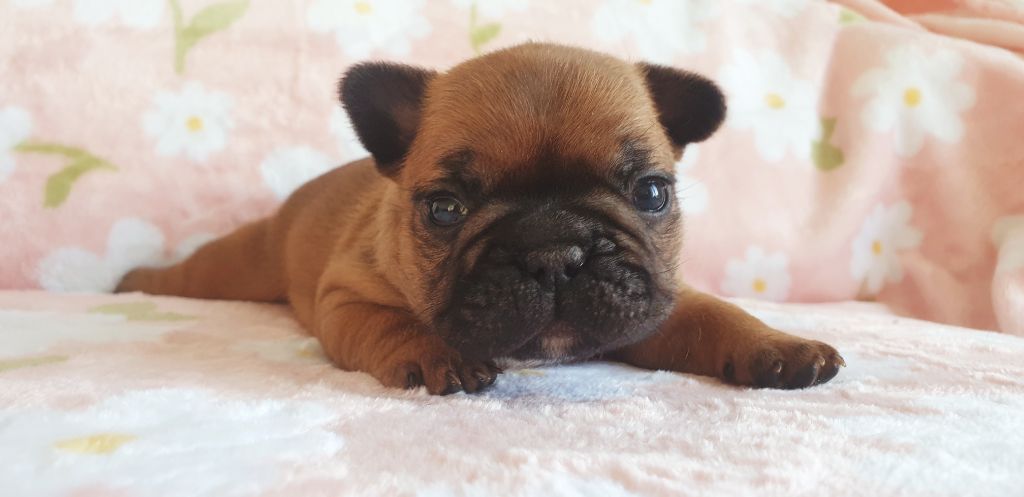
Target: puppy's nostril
[(555, 264)]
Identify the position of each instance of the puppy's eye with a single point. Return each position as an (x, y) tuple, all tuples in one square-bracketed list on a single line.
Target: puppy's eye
[(447, 211), (651, 194)]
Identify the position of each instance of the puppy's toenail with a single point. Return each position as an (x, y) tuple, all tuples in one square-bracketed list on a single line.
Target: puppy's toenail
[(453, 383)]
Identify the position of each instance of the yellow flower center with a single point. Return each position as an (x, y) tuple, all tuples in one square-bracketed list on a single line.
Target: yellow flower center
[(876, 247), (759, 285), (645, 2), (194, 123), (363, 8), (774, 100), (100, 443), (912, 97)]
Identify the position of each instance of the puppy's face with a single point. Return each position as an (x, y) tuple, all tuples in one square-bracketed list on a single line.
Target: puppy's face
[(539, 218)]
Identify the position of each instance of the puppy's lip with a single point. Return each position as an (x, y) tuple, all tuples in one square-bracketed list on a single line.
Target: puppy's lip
[(558, 336)]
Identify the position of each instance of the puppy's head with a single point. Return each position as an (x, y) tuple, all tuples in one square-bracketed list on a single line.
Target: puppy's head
[(537, 216)]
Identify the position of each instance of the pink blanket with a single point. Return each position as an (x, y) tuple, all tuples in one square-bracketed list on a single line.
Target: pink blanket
[(137, 396), (864, 156)]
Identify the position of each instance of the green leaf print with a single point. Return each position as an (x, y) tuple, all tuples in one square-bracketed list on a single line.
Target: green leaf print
[(825, 155), (847, 16), (80, 162), (27, 362), (214, 18), (58, 186), (139, 311), (481, 35)]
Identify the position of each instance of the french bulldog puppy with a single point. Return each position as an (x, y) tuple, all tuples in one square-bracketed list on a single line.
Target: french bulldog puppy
[(519, 207)]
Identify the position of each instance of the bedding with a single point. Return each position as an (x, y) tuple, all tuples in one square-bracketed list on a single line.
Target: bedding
[(872, 152), (144, 396)]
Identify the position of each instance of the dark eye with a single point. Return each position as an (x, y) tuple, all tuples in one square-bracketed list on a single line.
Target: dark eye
[(651, 194), (447, 211)]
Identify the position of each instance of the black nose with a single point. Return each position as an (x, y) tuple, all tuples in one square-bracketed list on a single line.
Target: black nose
[(556, 263)]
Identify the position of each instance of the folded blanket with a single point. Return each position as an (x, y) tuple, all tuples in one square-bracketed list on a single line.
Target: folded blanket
[(132, 395)]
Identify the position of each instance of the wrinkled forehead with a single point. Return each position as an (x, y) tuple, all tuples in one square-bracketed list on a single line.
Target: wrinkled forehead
[(552, 170), (501, 126)]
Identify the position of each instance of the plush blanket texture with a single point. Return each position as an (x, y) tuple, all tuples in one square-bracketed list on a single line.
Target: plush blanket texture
[(873, 150), (140, 396)]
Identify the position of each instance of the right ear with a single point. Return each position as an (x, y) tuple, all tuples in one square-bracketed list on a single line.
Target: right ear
[(690, 107), (384, 102)]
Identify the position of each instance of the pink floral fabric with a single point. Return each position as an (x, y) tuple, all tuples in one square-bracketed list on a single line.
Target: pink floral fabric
[(871, 151)]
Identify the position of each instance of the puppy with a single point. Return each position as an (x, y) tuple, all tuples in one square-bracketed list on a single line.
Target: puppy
[(519, 207)]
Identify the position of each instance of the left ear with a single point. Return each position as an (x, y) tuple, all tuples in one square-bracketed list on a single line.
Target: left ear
[(384, 103), (690, 107)]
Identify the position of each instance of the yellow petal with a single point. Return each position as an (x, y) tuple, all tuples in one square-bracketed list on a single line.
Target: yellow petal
[(759, 285), (912, 97), (774, 101), (876, 247), (100, 443), (363, 7), (194, 123)]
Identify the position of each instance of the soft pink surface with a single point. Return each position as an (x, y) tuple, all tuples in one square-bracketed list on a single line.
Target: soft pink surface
[(134, 395), (925, 159)]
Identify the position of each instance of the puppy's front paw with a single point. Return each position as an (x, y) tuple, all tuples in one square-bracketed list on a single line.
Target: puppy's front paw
[(778, 360), (440, 369)]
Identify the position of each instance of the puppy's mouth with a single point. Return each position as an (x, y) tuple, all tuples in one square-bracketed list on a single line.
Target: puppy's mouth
[(559, 309)]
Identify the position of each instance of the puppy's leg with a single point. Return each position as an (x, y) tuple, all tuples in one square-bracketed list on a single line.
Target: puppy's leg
[(710, 337), (395, 348), (244, 265)]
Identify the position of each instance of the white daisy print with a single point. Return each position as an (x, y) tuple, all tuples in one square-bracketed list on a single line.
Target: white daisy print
[(915, 96), (194, 122), (362, 27), (345, 135), (692, 193), (15, 127), (213, 443), (876, 248), (131, 243), (131, 13), (759, 275), (766, 97), (493, 9), (782, 8), (660, 29), (288, 168)]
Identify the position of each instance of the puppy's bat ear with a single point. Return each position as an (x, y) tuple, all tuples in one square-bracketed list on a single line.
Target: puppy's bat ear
[(690, 107), (384, 102)]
